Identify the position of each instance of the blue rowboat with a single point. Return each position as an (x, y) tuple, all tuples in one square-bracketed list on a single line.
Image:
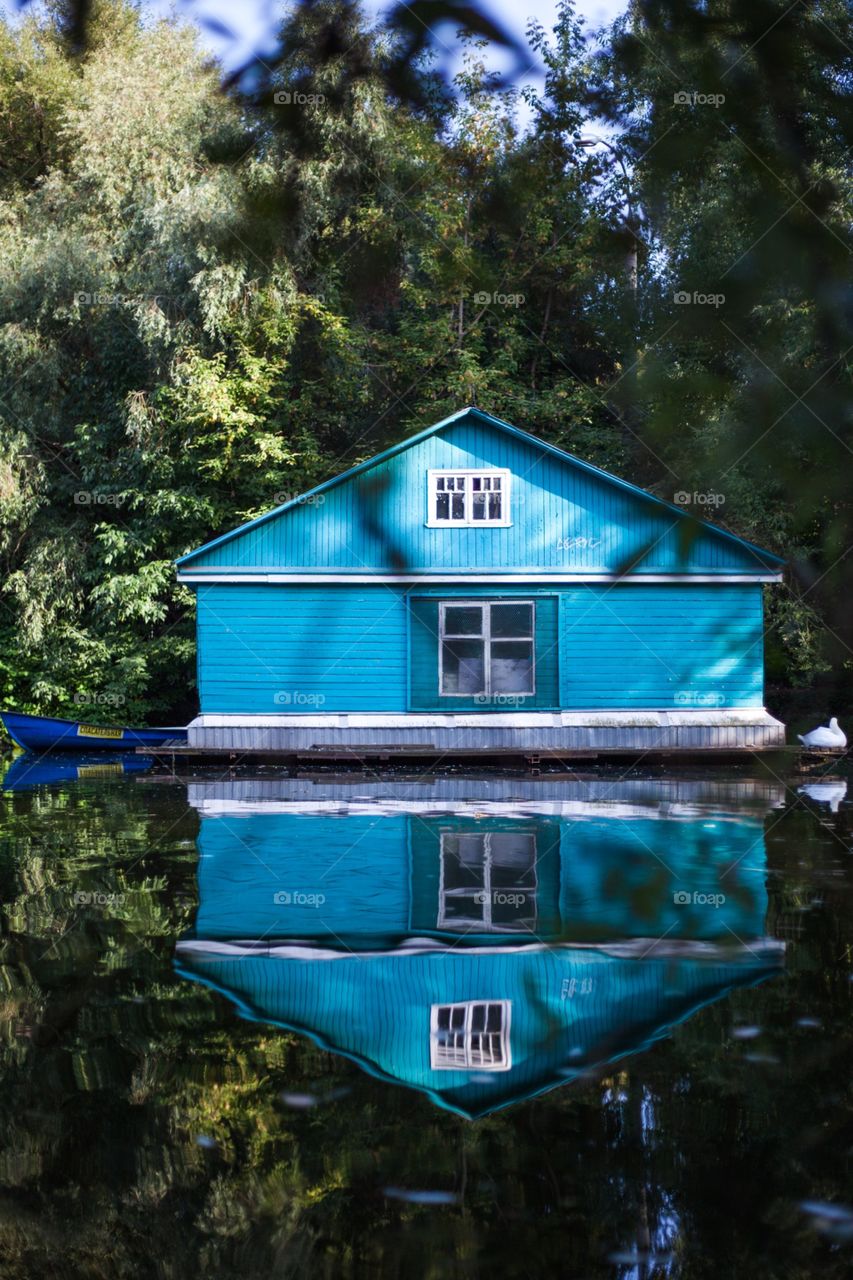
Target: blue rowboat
[(44, 733), (29, 771)]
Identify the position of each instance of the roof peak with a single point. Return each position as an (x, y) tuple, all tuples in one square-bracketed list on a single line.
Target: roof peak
[(519, 433)]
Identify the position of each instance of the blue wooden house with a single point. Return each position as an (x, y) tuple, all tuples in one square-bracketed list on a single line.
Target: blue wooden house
[(480, 952), (476, 589)]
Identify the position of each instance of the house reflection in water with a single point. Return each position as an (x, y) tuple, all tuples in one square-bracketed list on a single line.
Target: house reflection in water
[(481, 941)]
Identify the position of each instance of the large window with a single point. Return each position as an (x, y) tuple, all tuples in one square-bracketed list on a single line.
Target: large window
[(468, 498), (471, 1036), (486, 648), (487, 881)]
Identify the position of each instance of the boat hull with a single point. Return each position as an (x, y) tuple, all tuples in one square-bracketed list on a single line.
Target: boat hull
[(45, 733), (28, 771)]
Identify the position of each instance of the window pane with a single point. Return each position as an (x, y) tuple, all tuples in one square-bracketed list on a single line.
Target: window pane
[(457, 510), (513, 910), (471, 849), (512, 666), (478, 505), (463, 620), (494, 506), (512, 620), (442, 506), (461, 873), (495, 1017), (463, 666), (462, 909), (515, 851)]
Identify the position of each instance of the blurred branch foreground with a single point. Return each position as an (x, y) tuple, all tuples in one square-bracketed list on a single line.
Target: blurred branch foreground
[(214, 296)]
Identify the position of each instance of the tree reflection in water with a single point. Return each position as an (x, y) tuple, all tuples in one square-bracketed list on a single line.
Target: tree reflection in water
[(148, 1129)]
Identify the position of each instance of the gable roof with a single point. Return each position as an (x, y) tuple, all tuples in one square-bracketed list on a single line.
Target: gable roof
[(761, 558), (555, 1044)]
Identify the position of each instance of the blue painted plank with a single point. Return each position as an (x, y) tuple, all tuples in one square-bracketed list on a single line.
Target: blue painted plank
[(278, 649), (566, 516)]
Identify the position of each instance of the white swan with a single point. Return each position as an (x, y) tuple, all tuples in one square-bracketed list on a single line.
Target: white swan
[(831, 793), (824, 737)]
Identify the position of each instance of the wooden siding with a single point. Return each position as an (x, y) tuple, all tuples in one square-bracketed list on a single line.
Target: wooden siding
[(299, 649), (377, 876), (300, 875), (687, 646), (302, 649), (565, 519), (676, 796), (571, 1009)]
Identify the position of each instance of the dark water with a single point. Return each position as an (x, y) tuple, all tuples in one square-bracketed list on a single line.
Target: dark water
[(448, 1027)]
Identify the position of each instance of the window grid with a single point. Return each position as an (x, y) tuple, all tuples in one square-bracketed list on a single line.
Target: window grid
[(468, 499), (484, 896), (485, 635), (470, 1036)]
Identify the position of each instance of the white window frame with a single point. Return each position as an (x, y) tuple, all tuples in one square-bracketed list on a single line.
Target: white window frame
[(469, 522), (485, 605), (484, 923), (469, 1057)]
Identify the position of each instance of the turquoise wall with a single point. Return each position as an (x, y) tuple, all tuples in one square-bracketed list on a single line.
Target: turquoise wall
[(570, 1009), (597, 877), (566, 518), (267, 875), (273, 649)]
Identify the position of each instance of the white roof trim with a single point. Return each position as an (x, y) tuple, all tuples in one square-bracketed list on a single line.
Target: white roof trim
[(227, 574), (633, 948)]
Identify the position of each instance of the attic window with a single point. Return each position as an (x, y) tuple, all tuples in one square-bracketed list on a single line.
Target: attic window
[(468, 499), (472, 1036)]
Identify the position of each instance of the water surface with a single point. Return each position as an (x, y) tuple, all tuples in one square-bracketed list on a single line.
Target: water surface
[(439, 1027)]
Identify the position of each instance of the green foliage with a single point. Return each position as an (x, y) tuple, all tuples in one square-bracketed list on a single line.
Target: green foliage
[(736, 120), (212, 299)]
